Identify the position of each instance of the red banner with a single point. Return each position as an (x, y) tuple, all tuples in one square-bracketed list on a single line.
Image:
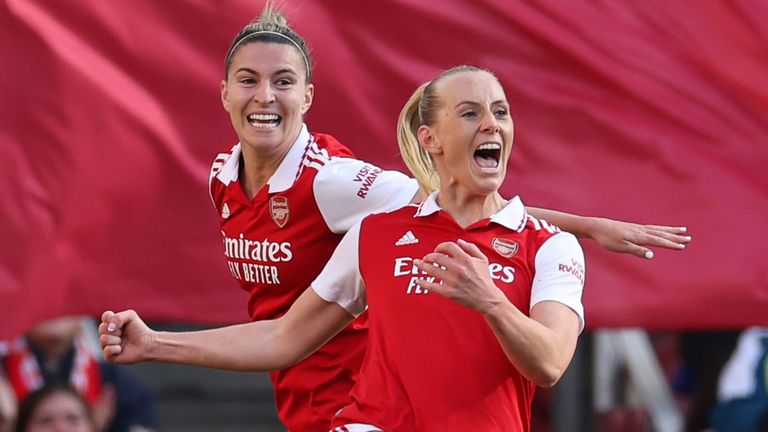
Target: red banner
[(650, 111)]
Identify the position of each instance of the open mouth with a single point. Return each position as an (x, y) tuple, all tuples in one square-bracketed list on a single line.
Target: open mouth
[(488, 155), (264, 121)]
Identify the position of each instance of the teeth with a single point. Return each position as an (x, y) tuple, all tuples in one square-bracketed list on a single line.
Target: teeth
[(263, 117), (490, 146)]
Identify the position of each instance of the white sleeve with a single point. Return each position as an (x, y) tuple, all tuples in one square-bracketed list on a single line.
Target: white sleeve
[(347, 190), (340, 281), (560, 273)]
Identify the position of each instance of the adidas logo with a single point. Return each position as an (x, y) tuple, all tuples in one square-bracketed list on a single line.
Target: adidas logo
[(407, 239)]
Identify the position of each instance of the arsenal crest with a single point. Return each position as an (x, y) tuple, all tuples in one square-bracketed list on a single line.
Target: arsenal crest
[(278, 205), (504, 247)]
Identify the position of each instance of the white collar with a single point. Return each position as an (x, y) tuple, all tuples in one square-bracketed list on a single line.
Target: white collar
[(284, 176), (512, 215)]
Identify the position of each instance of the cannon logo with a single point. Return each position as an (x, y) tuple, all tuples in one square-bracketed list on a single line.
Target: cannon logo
[(278, 205), (504, 247)]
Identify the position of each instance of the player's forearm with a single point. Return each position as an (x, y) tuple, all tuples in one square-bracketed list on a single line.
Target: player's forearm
[(244, 347), (580, 226), (533, 348)]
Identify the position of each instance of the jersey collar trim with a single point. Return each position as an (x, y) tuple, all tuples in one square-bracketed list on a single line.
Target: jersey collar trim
[(512, 215), (284, 176), (229, 170), (287, 172)]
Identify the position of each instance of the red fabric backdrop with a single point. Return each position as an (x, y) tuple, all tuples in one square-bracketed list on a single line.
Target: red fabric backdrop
[(653, 111)]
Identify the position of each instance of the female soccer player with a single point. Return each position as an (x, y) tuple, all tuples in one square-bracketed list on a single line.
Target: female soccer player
[(285, 197), (472, 301)]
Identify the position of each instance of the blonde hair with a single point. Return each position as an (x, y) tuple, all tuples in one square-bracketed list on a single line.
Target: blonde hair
[(270, 27), (421, 109)]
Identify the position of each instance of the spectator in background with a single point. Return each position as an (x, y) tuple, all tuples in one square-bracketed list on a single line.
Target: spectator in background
[(55, 407), (56, 351)]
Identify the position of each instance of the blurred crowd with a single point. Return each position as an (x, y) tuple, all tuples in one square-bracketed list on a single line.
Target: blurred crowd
[(53, 378)]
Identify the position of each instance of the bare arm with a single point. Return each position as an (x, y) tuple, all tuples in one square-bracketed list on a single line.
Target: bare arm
[(540, 346), (257, 346), (617, 236)]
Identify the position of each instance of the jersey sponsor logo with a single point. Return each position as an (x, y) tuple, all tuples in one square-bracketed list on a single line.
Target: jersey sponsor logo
[(576, 268), (225, 211), (366, 176), (278, 205), (505, 247), (404, 267), (266, 253), (407, 239)]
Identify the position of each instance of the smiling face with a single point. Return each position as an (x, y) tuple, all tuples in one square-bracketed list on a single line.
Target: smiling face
[(472, 132), (266, 95)]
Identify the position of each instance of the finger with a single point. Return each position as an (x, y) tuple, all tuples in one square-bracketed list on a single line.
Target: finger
[(106, 317), (471, 249), (103, 329), (662, 239), (112, 351), (670, 229), (434, 286), (438, 259), (637, 250), (670, 236), (111, 320), (106, 339), (450, 249), (428, 265), (120, 319)]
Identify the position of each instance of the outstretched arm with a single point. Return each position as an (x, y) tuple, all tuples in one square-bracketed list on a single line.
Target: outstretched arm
[(540, 346), (257, 346), (617, 236)]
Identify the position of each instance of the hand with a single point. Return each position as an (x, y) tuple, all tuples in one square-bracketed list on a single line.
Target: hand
[(124, 337), (459, 272), (631, 238)]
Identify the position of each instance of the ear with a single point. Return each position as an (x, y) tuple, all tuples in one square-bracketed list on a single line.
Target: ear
[(224, 95), (309, 95), (429, 141)]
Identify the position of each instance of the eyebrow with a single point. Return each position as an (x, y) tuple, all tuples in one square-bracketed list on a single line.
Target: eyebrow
[(278, 72), (496, 102)]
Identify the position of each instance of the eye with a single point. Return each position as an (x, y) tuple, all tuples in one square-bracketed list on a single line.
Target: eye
[(469, 114), (247, 81), (500, 112), (283, 82)]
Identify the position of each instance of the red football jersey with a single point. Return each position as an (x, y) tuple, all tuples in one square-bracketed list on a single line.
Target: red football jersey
[(432, 364), (278, 242)]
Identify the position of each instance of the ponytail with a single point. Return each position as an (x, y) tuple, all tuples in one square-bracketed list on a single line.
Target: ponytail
[(418, 161)]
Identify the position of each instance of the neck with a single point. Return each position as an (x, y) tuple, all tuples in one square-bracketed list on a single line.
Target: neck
[(257, 167), (467, 208)]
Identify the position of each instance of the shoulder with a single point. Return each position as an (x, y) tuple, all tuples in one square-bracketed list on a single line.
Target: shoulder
[(390, 218), (332, 145)]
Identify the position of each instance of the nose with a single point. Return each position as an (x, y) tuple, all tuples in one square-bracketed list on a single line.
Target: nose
[(490, 123), (263, 93)]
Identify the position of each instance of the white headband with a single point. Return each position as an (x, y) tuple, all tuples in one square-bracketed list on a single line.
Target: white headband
[(258, 33)]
